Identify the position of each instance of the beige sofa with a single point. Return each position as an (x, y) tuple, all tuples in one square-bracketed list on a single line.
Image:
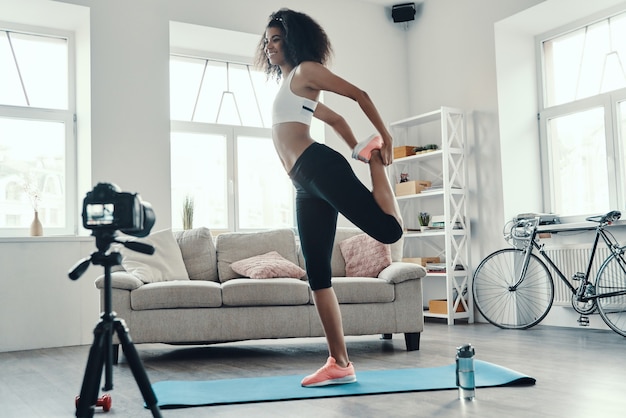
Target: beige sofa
[(209, 303)]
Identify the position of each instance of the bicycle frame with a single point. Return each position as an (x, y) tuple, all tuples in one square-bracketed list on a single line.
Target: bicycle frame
[(533, 244)]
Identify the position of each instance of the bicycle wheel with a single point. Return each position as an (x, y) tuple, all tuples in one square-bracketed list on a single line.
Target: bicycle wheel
[(612, 278), (507, 307)]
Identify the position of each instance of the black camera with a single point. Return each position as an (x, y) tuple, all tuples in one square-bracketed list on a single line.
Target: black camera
[(107, 208)]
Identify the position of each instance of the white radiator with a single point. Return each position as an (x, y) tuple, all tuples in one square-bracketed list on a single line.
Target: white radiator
[(572, 259)]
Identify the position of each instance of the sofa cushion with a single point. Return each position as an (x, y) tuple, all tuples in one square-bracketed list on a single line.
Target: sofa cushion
[(268, 292), (198, 250), (338, 264), (179, 294), (165, 264), (363, 290), (267, 266), (364, 256), (235, 246)]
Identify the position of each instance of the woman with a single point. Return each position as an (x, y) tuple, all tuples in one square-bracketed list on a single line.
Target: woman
[(295, 48)]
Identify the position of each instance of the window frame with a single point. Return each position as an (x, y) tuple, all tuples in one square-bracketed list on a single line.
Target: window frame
[(66, 116), (616, 157), (230, 132)]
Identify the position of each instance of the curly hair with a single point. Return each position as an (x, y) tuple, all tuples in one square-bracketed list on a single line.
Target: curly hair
[(303, 40)]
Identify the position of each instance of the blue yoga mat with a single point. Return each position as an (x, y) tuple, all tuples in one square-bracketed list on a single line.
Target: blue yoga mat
[(177, 394)]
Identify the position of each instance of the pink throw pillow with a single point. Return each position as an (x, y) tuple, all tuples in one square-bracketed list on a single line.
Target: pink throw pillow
[(364, 256), (267, 266)]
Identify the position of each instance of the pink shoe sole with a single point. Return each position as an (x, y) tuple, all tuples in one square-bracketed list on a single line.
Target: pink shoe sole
[(363, 150)]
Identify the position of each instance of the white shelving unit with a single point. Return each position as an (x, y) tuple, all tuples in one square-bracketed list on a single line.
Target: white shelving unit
[(446, 169)]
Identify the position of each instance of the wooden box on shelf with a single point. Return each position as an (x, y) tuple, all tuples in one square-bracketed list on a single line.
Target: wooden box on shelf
[(440, 306), (422, 261), (404, 151), (411, 187)]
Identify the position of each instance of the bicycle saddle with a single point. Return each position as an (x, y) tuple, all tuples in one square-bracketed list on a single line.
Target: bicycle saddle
[(612, 216)]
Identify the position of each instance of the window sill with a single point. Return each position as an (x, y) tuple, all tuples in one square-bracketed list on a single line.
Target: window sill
[(576, 225), (58, 238)]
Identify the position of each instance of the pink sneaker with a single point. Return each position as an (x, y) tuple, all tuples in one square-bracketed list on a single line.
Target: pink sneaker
[(330, 374), (363, 150)]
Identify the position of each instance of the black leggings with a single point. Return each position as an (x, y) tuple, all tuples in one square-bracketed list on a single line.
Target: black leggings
[(325, 186)]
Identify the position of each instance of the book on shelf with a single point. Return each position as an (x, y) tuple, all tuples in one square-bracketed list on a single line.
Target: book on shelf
[(441, 267)]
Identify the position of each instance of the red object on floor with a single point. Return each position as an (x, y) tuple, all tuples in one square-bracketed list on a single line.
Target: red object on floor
[(104, 401)]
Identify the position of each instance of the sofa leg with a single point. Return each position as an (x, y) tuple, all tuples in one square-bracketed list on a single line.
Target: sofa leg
[(412, 340), (386, 336)]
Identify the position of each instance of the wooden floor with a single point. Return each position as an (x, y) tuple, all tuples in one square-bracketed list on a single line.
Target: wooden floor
[(580, 373)]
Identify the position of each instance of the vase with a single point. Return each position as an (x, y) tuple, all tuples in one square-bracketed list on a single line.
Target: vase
[(36, 229)]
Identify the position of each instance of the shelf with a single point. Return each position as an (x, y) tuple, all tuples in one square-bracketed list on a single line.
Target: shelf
[(458, 315), (426, 155), (433, 233), (430, 193), (427, 314), (422, 156), (436, 275), (418, 120), (446, 168), (433, 116), (420, 195), (455, 273)]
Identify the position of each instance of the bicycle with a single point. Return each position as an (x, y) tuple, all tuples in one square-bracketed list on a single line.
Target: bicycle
[(514, 289)]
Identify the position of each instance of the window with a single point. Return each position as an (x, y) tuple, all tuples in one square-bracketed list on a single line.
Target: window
[(582, 115), (37, 142), (265, 195), (221, 148), (219, 92)]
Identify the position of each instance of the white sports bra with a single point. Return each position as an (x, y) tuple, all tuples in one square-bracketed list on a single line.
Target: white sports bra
[(289, 107)]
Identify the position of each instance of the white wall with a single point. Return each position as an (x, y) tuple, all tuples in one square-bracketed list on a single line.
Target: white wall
[(127, 129), (452, 62), (39, 305)]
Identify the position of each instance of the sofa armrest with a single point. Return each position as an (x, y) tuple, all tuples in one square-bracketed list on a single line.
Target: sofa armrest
[(121, 280), (398, 272)]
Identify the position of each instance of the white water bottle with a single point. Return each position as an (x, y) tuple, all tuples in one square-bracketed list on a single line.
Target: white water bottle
[(465, 372)]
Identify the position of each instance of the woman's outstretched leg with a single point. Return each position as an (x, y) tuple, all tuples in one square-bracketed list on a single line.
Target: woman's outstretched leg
[(381, 187)]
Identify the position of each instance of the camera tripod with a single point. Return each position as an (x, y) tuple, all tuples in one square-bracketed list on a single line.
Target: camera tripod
[(101, 352)]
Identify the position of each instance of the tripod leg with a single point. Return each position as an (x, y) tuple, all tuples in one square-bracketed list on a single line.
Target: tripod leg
[(137, 367), (108, 364), (93, 372)]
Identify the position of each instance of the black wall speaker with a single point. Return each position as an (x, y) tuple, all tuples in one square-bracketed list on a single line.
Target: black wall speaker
[(404, 12)]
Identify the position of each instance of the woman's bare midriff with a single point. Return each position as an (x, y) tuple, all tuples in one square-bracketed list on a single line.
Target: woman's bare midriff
[(290, 141)]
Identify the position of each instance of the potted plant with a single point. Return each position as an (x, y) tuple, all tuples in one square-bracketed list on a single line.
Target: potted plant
[(188, 212), (424, 219), (34, 194)]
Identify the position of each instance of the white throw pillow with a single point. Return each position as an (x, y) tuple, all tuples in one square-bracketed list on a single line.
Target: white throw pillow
[(165, 264), (196, 246)]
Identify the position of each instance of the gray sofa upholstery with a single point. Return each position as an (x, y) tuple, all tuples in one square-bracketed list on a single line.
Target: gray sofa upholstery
[(214, 304)]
